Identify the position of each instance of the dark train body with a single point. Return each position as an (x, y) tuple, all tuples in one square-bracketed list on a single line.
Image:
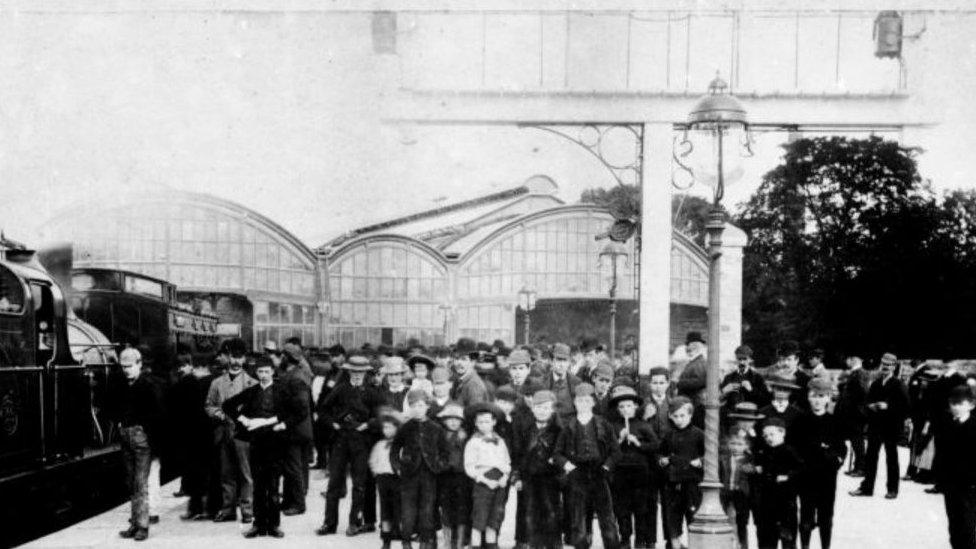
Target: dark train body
[(59, 460)]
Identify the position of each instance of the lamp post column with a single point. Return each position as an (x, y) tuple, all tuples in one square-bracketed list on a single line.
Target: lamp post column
[(613, 311)]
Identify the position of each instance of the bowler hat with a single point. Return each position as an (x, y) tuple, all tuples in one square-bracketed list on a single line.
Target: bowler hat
[(507, 393), (621, 393), (746, 410), (465, 346), (694, 337), (743, 351), (357, 363), (788, 348), (960, 393), (292, 351)]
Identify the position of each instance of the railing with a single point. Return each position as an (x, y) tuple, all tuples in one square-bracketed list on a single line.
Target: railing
[(671, 52)]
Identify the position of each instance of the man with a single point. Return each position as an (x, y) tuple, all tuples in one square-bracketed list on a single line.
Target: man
[(196, 432), (955, 454), (179, 398), (788, 369), (469, 388), (602, 377), (298, 444), (887, 407), (349, 408), (322, 368), (266, 413), (815, 363), (394, 394), (744, 384), (850, 410), (561, 383), (691, 383), (234, 454), (140, 412)]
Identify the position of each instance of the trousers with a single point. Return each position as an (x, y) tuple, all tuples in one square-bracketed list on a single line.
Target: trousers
[(589, 489), (294, 469), (960, 504), (237, 485), (418, 499), (817, 493), (543, 509), (137, 457), (454, 498), (632, 504), (349, 454), (738, 507), (266, 460), (877, 439), (388, 489), (683, 499)]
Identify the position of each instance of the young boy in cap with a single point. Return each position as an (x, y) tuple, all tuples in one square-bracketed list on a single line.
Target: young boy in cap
[(821, 446), (783, 406), (469, 388), (681, 455), (418, 454), (387, 483), (453, 485), (535, 475), (735, 469), (602, 377), (955, 444), (561, 382), (587, 450), (777, 470), (488, 464), (633, 496)]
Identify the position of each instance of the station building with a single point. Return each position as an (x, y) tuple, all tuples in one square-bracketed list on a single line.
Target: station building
[(435, 275)]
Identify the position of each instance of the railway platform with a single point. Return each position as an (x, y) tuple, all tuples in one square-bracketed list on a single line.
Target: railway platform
[(915, 520)]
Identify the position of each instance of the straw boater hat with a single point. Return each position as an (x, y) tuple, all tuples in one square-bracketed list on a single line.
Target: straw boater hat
[(746, 410), (780, 381), (621, 393), (392, 365), (357, 363)]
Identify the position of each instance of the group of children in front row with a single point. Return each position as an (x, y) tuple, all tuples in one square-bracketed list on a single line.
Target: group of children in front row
[(433, 475)]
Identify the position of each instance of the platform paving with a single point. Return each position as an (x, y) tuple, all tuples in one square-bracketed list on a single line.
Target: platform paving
[(915, 520)]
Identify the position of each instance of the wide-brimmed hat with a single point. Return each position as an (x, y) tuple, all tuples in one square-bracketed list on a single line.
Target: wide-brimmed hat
[(271, 346), (357, 363), (621, 393), (484, 408), (779, 381), (451, 409), (392, 365), (746, 410), (420, 359)]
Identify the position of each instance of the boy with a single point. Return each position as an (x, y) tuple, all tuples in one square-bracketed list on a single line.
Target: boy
[(587, 451), (782, 405), (887, 407), (441, 386), (777, 467), (657, 407), (735, 467), (417, 455), (744, 417), (633, 498), (681, 456), (487, 463), (387, 483), (535, 476), (955, 445), (453, 485), (822, 449)]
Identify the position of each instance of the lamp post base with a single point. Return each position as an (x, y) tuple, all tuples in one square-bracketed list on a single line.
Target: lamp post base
[(711, 528)]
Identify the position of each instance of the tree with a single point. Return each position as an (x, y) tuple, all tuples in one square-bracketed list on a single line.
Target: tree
[(847, 245)]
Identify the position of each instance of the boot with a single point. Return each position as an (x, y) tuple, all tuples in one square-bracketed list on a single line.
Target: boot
[(385, 536)]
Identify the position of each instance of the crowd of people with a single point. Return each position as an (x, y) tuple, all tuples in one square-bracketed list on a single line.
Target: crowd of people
[(434, 442)]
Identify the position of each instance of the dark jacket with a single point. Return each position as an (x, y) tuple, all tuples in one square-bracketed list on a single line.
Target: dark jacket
[(533, 449), (759, 395), (691, 382), (636, 459), (288, 404), (892, 392), (789, 417), (141, 403), (188, 412), (470, 389), (418, 444), (565, 409), (455, 451), (820, 443), (349, 407), (569, 444), (773, 462), (298, 379), (681, 447), (955, 454)]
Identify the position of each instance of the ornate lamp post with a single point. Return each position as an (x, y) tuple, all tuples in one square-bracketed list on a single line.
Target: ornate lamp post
[(610, 253), (527, 301), (716, 139)]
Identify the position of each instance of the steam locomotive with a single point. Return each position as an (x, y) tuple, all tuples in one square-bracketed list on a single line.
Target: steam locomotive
[(59, 461)]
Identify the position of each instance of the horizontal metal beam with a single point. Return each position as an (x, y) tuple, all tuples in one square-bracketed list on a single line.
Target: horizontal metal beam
[(791, 112)]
